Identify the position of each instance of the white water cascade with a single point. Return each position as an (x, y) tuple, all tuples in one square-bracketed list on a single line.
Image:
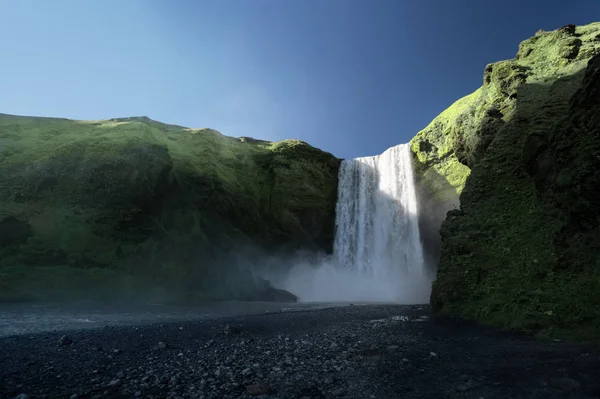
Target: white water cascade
[(377, 251), (377, 225)]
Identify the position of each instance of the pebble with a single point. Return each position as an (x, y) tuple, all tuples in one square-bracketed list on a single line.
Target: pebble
[(463, 387), (65, 340), (565, 384), (257, 389), (312, 363), (115, 383)]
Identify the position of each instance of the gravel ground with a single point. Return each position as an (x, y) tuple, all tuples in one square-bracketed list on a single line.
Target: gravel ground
[(23, 318), (370, 351)]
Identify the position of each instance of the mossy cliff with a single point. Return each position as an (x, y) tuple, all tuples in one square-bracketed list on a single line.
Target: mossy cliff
[(177, 208), (523, 153)]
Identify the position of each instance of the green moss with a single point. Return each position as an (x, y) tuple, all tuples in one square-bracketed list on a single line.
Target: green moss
[(521, 251), (120, 192)]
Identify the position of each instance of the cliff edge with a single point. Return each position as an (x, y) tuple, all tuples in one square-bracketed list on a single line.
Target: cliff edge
[(523, 153), (85, 203)]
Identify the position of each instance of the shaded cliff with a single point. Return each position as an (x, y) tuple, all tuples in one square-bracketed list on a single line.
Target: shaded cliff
[(186, 210), (523, 153)]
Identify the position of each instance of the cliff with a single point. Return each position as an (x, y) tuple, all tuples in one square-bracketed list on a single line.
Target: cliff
[(126, 204), (523, 153)]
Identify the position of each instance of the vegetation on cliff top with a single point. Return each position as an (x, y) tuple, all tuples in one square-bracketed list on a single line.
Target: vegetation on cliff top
[(171, 204), (523, 151)]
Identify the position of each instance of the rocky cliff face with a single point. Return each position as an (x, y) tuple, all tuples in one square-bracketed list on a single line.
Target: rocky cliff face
[(178, 208), (523, 153)]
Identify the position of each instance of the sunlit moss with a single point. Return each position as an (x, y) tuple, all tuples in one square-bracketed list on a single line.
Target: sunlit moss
[(96, 193), (507, 258)]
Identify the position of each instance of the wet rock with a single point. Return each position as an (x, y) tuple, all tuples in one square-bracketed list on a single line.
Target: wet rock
[(565, 384), (232, 329), (463, 387), (115, 383), (65, 340), (266, 292), (14, 232), (257, 389)]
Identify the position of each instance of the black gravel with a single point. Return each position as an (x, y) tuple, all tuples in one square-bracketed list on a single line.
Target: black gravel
[(374, 351)]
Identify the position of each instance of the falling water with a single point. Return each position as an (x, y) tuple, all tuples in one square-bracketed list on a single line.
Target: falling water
[(377, 250), (377, 230)]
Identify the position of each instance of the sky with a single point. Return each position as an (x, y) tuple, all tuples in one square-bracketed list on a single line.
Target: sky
[(352, 77)]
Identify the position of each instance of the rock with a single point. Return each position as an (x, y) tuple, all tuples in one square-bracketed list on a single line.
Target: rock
[(75, 396), (550, 129), (14, 232), (162, 345), (22, 396), (463, 387), (231, 329), (114, 383), (65, 340), (392, 348), (565, 384), (432, 354), (257, 389), (264, 291), (279, 295)]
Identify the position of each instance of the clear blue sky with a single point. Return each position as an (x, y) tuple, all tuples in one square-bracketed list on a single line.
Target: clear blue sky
[(351, 77)]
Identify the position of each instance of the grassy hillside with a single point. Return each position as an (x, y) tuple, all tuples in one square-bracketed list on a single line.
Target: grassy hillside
[(177, 206), (523, 152)]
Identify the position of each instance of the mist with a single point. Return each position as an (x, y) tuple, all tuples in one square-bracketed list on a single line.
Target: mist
[(325, 280), (378, 251)]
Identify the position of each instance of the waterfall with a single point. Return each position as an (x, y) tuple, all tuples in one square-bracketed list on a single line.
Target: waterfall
[(377, 226), (377, 250)]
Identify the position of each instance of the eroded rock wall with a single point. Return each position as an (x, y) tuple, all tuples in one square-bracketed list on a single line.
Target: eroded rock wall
[(523, 154)]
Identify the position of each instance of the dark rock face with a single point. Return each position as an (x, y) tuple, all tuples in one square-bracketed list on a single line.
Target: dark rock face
[(13, 232), (266, 292), (522, 250)]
